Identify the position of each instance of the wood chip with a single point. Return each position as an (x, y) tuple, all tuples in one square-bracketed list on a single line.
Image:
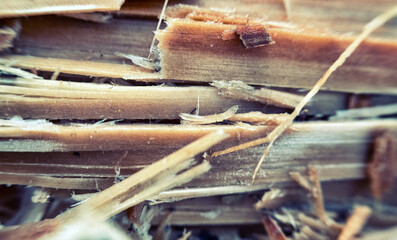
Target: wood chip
[(198, 120), (253, 36)]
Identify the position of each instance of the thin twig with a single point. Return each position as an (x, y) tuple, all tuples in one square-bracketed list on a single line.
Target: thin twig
[(157, 28)]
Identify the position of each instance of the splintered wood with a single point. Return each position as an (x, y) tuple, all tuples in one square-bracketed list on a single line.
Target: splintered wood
[(270, 138), (193, 45), (149, 181), (94, 93), (159, 176), (41, 153)]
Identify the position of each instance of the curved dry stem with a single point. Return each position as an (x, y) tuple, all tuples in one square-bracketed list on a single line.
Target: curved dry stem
[(258, 166)]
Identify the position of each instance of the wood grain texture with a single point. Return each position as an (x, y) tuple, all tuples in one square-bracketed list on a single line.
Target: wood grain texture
[(48, 99), (338, 150), (67, 38), (194, 50)]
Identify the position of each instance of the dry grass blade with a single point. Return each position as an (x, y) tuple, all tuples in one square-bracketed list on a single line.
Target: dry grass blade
[(197, 120), (162, 185), (368, 29), (118, 197)]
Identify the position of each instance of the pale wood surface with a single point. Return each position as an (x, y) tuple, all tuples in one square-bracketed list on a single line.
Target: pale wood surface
[(297, 59)]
